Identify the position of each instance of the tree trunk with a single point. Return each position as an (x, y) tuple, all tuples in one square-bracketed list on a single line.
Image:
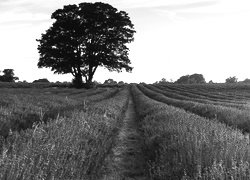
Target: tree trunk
[(78, 80), (90, 79), (92, 70)]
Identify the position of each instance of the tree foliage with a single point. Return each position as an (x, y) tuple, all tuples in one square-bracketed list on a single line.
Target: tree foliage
[(8, 76), (84, 37), (110, 81), (191, 79), (183, 80), (246, 80), (44, 80), (232, 79)]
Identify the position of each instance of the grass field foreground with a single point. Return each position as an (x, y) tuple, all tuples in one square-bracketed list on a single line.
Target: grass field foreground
[(20, 108), (71, 146), (75, 134)]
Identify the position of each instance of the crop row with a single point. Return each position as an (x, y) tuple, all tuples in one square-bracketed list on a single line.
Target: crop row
[(19, 110), (182, 145), (230, 116), (196, 93), (220, 91), (194, 98), (71, 146)]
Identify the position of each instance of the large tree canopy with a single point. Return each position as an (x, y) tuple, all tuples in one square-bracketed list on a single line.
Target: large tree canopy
[(84, 37)]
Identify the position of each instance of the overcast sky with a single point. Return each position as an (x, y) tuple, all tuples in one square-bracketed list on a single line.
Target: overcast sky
[(174, 38)]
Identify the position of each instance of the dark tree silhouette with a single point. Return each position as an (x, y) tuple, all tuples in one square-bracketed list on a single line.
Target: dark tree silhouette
[(197, 79), (44, 80), (8, 76), (246, 80), (84, 37), (183, 80), (110, 81), (232, 80), (191, 79)]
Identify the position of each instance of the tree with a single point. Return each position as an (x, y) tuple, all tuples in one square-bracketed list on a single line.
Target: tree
[(191, 79), (163, 80), (44, 80), (197, 78), (110, 81), (246, 80), (232, 79), (8, 76), (84, 37), (183, 80)]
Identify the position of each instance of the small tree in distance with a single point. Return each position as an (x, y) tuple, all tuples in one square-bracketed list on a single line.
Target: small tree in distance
[(85, 37), (246, 80), (191, 79), (163, 80), (44, 80), (183, 80), (110, 81), (8, 76), (232, 80)]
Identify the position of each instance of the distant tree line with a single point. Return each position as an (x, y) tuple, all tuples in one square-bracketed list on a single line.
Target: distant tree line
[(111, 81), (187, 79), (8, 76), (199, 79)]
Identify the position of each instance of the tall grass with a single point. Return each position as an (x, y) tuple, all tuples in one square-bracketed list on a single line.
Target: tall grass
[(20, 108), (74, 146)]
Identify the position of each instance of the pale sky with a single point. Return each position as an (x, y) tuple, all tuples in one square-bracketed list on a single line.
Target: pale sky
[(174, 38)]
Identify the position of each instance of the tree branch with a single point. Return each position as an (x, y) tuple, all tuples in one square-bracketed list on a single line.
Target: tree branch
[(94, 70)]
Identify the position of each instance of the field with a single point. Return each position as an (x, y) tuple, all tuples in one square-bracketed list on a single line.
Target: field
[(137, 131)]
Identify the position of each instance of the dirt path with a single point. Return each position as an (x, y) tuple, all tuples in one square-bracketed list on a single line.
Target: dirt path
[(127, 162)]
